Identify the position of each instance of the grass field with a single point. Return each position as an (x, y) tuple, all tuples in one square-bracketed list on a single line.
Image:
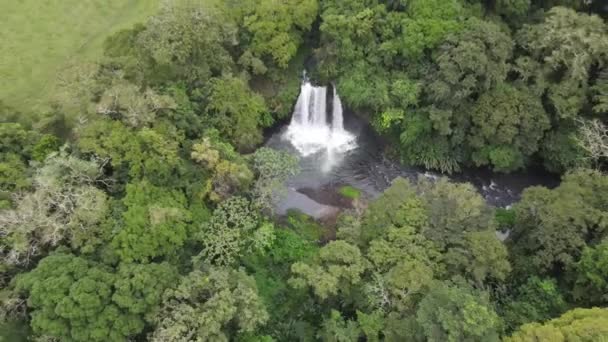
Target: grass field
[(39, 37)]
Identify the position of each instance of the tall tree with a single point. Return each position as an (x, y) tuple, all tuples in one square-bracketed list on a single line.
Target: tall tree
[(212, 305), (585, 325), (451, 313), (191, 40), (340, 265), (507, 125), (65, 207), (237, 112), (70, 299), (155, 223), (553, 226)]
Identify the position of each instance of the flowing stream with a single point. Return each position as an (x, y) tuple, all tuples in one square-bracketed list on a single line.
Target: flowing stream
[(336, 148)]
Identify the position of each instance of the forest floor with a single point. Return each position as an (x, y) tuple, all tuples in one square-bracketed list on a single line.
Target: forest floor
[(40, 37)]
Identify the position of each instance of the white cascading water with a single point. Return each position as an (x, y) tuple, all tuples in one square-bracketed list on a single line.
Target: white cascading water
[(310, 133)]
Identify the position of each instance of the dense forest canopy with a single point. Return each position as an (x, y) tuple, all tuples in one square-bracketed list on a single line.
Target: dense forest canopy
[(142, 205)]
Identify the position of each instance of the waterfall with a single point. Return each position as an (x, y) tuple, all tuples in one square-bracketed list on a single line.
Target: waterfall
[(309, 131)]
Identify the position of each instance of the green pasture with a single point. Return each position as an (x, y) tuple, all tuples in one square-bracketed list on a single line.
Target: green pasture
[(39, 37)]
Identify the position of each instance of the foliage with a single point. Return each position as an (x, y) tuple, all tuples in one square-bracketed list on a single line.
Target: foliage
[(575, 325), (340, 265), (591, 280), (135, 108), (398, 206), (66, 206), (127, 212), (271, 268), (155, 223), (537, 300), (505, 218), (567, 39), (237, 112), (189, 40), (553, 226), (304, 226), (71, 300), (513, 8), (337, 329), (453, 210), (233, 228), (139, 287), (229, 173), (451, 313), (206, 304), (276, 30), (561, 150), (141, 153), (470, 62), (481, 257), (507, 127), (428, 23), (273, 169), (593, 139), (19, 146)]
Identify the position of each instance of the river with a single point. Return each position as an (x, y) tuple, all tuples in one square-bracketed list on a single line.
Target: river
[(337, 148)]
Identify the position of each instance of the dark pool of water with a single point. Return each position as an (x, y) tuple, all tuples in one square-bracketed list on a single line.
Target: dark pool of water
[(314, 190)]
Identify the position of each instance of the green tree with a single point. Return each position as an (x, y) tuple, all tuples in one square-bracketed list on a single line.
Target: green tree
[(585, 325), (428, 23), (155, 224), (567, 40), (561, 150), (600, 93), (453, 210), (337, 329), (451, 313), (65, 207), (19, 145), (139, 287), (398, 206), (210, 305), (13, 175), (590, 275), (513, 8), (507, 126), (339, 266), (70, 299), (481, 258), (237, 112), (229, 173), (142, 153), (135, 108), (277, 28), (273, 168), (189, 40), (469, 62), (553, 226), (233, 229), (400, 288), (404, 264), (536, 300)]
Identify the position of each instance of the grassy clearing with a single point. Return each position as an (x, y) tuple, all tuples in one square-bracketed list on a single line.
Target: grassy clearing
[(39, 37)]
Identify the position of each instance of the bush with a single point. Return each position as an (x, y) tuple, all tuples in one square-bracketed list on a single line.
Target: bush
[(350, 192)]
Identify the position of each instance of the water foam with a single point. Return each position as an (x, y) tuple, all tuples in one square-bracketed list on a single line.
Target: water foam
[(310, 133)]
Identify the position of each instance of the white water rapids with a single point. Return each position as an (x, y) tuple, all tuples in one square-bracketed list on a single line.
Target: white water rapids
[(310, 132)]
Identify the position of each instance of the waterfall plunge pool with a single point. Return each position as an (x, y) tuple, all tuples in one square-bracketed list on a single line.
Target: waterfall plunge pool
[(336, 149)]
